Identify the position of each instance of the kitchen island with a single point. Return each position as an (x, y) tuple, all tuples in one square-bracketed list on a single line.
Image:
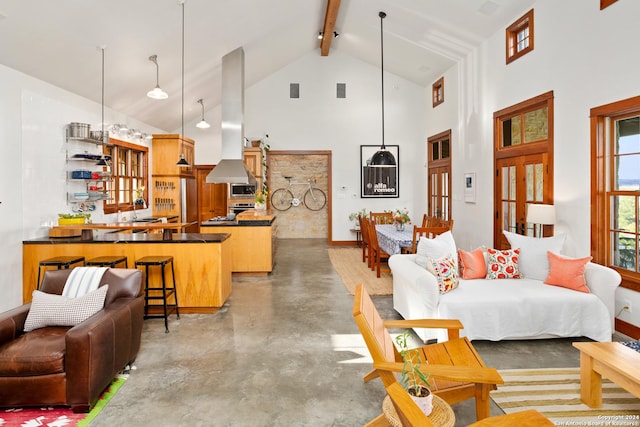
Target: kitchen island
[(253, 241), (202, 262)]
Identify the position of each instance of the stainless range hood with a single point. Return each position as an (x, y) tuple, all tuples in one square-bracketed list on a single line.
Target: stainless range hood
[(231, 168)]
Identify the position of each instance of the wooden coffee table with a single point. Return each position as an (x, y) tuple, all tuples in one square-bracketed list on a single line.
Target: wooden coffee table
[(613, 360)]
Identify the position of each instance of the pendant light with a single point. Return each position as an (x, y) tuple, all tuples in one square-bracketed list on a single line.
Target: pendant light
[(383, 157), (202, 124), (105, 136), (182, 162), (157, 93)]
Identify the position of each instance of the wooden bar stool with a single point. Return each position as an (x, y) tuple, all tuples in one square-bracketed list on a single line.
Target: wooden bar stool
[(59, 262), (167, 309), (108, 261)]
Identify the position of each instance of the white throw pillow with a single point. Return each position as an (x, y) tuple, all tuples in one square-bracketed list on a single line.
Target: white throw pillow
[(534, 262), (440, 246), (57, 310)]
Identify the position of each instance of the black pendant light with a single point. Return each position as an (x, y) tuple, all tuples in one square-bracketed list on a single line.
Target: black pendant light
[(383, 157), (102, 161), (182, 162)]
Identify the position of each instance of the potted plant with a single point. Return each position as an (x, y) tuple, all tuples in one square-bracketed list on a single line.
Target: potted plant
[(261, 200), (75, 218), (412, 378), (353, 216)]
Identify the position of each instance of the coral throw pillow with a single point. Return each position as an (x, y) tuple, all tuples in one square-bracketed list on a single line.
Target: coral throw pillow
[(446, 271), (567, 272), (503, 264), (472, 264)]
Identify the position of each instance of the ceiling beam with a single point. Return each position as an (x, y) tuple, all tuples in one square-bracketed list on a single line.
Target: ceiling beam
[(329, 26)]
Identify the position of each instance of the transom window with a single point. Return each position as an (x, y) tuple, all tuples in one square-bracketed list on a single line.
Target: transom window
[(129, 171), (438, 92), (519, 37)]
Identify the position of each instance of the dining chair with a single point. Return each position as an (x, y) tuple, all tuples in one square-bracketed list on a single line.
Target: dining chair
[(456, 359), (429, 221), (378, 258), (381, 217), (364, 231), (428, 232)]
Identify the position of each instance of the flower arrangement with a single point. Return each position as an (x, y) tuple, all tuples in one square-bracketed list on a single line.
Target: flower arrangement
[(401, 216), (354, 215)]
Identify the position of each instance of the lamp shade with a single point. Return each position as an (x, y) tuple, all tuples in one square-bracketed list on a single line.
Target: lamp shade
[(382, 159), (541, 214)]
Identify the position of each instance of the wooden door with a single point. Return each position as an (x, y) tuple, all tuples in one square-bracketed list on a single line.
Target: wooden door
[(439, 192), (212, 198), (519, 180)]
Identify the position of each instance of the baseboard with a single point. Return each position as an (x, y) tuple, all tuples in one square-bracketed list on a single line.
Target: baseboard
[(627, 329)]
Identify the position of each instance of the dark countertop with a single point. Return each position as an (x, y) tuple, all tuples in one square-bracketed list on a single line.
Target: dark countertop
[(238, 223), (135, 238)]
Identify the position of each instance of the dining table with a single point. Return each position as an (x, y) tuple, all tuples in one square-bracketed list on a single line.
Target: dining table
[(391, 240)]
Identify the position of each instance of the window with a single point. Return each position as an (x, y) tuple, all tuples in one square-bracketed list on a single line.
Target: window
[(129, 171), (439, 175), (520, 37), (615, 188), (438, 92)]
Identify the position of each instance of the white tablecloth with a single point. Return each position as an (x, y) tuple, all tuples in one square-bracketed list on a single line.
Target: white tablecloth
[(391, 240)]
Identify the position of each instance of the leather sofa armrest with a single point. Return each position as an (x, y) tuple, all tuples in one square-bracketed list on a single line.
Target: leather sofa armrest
[(98, 348), (12, 323)]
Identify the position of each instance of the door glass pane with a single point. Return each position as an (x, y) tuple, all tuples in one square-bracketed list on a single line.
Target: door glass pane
[(539, 182), (512, 182), (435, 152), (529, 181), (624, 249), (536, 125), (505, 182)]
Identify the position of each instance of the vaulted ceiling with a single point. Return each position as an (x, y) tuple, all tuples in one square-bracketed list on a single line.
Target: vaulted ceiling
[(58, 42)]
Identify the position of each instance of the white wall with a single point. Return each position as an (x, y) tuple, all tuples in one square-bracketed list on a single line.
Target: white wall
[(32, 168), (320, 121), (582, 54)]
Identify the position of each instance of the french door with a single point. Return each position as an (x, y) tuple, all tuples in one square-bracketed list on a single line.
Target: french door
[(520, 181), (439, 176), (523, 159)]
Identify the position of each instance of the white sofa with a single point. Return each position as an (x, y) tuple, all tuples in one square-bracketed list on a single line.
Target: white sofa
[(507, 308)]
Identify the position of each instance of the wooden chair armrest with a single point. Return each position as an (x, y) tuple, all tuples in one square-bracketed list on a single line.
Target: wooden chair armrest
[(424, 323), (453, 373)]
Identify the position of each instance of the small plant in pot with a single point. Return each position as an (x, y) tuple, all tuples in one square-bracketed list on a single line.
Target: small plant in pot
[(412, 378), (355, 215)]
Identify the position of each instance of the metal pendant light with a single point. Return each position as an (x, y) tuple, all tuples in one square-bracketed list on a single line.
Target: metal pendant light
[(202, 124), (182, 162), (383, 157), (157, 93)]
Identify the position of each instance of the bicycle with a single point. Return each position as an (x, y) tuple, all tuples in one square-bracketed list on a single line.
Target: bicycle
[(283, 198)]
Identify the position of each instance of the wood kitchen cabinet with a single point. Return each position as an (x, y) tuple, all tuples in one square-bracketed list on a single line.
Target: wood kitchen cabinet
[(166, 150), (253, 161), (212, 198)]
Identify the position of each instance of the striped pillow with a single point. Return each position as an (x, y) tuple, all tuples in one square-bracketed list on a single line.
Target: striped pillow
[(57, 310)]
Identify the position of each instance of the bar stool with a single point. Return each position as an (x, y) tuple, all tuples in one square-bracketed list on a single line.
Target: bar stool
[(167, 309), (59, 262), (108, 261)]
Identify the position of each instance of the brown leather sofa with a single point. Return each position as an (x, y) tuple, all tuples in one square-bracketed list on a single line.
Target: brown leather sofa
[(71, 366)]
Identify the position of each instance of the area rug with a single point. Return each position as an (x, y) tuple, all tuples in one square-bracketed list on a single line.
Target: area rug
[(556, 394), (58, 416), (348, 263)]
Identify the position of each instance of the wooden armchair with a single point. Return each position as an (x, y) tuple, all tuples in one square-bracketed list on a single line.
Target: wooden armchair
[(457, 371), (381, 217), (378, 259), (410, 415), (429, 232)]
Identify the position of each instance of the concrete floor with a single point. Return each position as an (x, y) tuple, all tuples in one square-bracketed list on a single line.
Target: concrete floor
[(283, 351)]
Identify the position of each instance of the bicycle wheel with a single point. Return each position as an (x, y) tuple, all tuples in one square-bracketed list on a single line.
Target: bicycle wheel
[(315, 199), (281, 199)]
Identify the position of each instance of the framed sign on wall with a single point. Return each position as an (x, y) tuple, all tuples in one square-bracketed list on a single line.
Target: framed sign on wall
[(379, 182)]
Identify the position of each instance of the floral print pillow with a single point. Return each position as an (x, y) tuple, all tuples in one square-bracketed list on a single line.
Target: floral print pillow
[(446, 272), (503, 264)]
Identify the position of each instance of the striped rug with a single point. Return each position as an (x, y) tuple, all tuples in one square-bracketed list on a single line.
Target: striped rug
[(556, 394)]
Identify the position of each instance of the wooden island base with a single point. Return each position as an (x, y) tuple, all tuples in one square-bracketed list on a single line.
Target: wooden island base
[(202, 262)]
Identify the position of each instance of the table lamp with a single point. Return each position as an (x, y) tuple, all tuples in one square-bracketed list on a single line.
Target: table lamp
[(540, 215)]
